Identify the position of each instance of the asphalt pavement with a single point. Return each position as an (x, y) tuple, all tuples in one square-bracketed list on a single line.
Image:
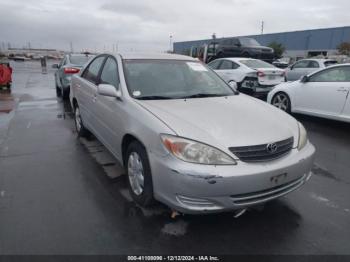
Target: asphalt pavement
[(63, 195)]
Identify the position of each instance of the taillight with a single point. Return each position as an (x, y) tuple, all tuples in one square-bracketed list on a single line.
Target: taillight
[(261, 74), (71, 70)]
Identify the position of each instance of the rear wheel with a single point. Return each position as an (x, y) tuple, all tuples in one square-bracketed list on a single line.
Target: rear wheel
[(58, 91), (139, 174), (282, 101), (65, 93), (79, 126)]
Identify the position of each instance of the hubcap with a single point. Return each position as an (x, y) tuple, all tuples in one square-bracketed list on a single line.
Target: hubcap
[(135, 173), (77, 119), (281, 101)]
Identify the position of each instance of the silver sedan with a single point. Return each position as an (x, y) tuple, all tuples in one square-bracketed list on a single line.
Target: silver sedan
[(307, 66), (185, 137)]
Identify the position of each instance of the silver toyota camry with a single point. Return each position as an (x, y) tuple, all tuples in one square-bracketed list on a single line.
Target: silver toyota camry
[(185, 137)]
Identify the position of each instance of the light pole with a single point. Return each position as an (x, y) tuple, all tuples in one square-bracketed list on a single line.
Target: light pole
[(171, 43)]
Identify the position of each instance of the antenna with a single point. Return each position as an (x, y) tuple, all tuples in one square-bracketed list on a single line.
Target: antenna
[(262, 27)]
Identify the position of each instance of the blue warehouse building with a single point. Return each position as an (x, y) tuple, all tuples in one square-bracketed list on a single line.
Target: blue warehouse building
[(298, 44)]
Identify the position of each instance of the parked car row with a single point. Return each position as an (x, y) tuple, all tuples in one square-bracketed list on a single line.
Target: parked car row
[(185, 137)]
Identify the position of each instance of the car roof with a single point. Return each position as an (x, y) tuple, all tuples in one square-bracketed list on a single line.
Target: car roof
[(156, 56), (238, 59), (88, 55), (338, 65), (317, 59)]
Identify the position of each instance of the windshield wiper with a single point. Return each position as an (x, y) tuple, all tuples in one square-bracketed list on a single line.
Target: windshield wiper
[(154, 97), (203, 95)]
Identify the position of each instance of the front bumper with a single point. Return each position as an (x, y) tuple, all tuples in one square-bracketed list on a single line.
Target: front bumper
[(199, 189)]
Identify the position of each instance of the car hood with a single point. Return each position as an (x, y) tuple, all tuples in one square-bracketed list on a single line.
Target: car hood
[(224, 121)]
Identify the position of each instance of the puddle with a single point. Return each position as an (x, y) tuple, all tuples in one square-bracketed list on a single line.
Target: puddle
[(177, 228), (324, 200)]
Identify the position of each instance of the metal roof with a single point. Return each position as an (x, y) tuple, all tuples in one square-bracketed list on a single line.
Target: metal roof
[(316, 39)]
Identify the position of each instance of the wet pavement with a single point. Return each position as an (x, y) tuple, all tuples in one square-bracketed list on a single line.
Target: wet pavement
[(62, 195)]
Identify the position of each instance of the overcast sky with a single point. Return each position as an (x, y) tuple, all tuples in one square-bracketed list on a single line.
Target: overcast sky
[(145, 25)]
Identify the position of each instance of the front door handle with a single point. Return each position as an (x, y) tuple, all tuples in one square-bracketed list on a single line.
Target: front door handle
[(94, 98)]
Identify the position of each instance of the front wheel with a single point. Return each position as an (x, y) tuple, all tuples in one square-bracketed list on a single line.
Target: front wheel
[(139, 174), (281, 101)]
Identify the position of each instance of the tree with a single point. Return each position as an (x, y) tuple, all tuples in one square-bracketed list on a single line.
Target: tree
[(344, 48), (278, 48)]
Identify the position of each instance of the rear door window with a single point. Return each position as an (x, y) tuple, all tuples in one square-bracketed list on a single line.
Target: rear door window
[(226, 65), (215, 64), (313, 64), (301, 64)]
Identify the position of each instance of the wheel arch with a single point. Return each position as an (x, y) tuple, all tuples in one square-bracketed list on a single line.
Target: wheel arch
[(291, 106), (126, 141)]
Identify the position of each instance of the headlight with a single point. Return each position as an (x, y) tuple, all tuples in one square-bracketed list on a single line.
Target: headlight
[(302, 136), (195, 152)]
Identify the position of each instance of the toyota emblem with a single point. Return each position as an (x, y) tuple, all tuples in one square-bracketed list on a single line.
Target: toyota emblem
[(271, 148)]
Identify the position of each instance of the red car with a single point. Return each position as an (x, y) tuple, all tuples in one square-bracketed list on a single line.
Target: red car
[(5, 74)]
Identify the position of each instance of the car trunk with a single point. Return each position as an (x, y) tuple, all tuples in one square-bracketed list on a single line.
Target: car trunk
[(270, 77)]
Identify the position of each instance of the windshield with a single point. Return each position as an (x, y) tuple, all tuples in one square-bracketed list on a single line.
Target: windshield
[(79, 60), (254, 64), (172, 79), (248, 42)]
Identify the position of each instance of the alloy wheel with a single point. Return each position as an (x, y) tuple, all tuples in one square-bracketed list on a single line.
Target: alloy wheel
[(135, 173), (78, 122), (281, 101)]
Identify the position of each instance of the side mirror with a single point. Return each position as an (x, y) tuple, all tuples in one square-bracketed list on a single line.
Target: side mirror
[(55, 66), (305, 79), (108, 90), (233, 84)]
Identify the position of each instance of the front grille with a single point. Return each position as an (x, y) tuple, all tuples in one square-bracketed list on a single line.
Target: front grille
[(264, 152), (268, 194)]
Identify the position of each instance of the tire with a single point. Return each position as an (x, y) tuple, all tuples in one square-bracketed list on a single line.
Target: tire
[(282, 101), (246, 54), (58, 91), (79, 126), (139, 174), (65, 93), (220, 55)]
